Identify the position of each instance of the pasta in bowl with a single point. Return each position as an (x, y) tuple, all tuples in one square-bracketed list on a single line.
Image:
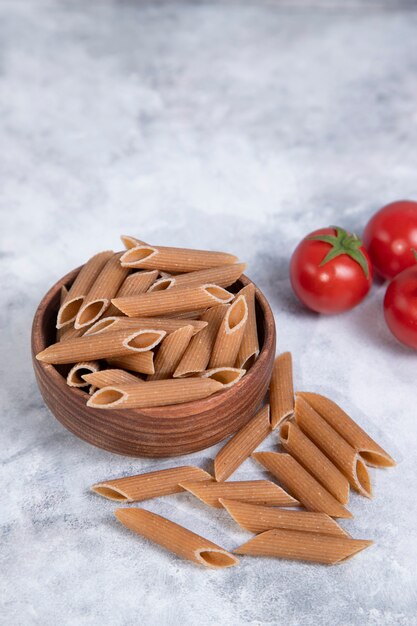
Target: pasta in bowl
[(217, 380)]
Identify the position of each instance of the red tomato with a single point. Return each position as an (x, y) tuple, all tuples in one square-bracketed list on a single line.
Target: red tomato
[(390, 236), (400, 306), (330, 271)]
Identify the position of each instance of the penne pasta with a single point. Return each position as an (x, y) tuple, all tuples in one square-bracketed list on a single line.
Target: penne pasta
[(131, 242), (197, 355), (281, 392), (76, 373), (106, 378), (153, 393), (230, 335), (340, 421), (173, 301), (303, 546), (80, 288), (334, 447), (133, 285), (176, 260), (223, 276), (314, 461), (249, 348), (101, 292), (227, 376), (301, 484), (175, 538), (101, 346), (149, 485), (255, 491), (140, 362), (69, 332), (170, 352), (62, 295), (242, 444), (162, 284), (258, 519), (142, 323)]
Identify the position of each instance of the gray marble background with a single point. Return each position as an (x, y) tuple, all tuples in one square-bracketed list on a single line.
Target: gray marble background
[(237, 126)]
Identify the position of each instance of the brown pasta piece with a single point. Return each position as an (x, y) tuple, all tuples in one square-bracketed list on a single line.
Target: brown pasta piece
[(149, 485), (223, 276), (347, 428), (141, 323), (258, 519), (303, 546), (75, 375), (140, 362), (314, 461), (228, 376), (62, 295), (176, 260), (106, 378), (230, 334), (255, 491), (301, 484), (242, 444), (131, 242), (170, 352), (162, 284), (334, 446), (249, 348), (133, 285), (281, 391)]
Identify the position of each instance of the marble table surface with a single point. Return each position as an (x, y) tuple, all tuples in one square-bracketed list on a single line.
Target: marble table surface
[(226, 125)]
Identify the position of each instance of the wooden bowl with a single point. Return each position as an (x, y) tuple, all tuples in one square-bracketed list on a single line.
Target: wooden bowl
[(161, 431)]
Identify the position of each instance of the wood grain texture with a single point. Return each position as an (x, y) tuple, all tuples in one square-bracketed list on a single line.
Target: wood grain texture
[(160, 431)]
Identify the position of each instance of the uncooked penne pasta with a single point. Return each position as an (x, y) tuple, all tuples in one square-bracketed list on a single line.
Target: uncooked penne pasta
[(249, 348), (258, 519), (334, 446), (281, 391), (106, 378), (162, 284), (176, 260), (133, 285), (301, 484), (69, 332), (175, 538), (75, 375), (223, 276), (149, 485), (347, 428), (172, 301), (303, 546), (80, 287), (101, 292), (141, 323), (228, 376), (131, 242), (154, 393), (170, 352), (242, 444), (255, 491), (314, 461), (230, 335), (62, 295), (101, 346), (140, 362), (197, 355)]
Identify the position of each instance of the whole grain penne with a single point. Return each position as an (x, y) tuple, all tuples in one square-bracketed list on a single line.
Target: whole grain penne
[(249, 348), (242, 444), (80, 287), (176, 260), (334, 446), (197, 355), (162, 284), (281, 391), (106, 378), (172, 301), (255, 491), (131, 242), (142, 323), (230, 334), (101, 346), (69, 332), (223, 276), (140, 362), (170, 352), (258, 519), (303, 546), (175, 538), (101, 292), (133, 285), (75, 375), (154, 393), (301, 484), (149, 485), (227, 376), (347, 428), (314, 461), (62, 295)]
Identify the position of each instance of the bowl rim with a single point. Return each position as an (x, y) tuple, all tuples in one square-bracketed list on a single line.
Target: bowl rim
[(169, 412)]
